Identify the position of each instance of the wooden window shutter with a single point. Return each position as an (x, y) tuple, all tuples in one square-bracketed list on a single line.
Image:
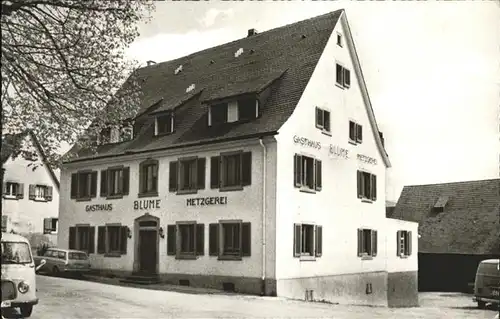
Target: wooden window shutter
[(360, 184), (319, 117), (319, 241), (47, 225), (398, 243), (213, 245), (93, 184), (48, 194), (20, 191), (374, 243), (339, 74), (126, 180), (72, 238), (319, 181), (373, 188), (200, 239), (246, 239), (297, 164), (215, 172), (347, 78), (31, 192), (91, 240), (409, 243), (4, 188), (326, 121), (74, 185), (171, 239), (142, 176), (297, 238), (123, 240), (172, 181), (359, 133), (104, 183), (101, 239), (360, 242), (201, 168), (246, 166)]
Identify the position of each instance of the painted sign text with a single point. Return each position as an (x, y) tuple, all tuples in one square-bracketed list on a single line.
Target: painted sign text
[(146, 204), (367, 159), (339, 151), (306, 142), (206, 201), (98, 207)]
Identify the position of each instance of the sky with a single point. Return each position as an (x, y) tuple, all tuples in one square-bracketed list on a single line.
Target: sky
[(432, 70)]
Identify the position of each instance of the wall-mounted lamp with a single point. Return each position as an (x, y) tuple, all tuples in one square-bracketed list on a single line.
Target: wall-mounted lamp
[(129, 232), (161, 233)]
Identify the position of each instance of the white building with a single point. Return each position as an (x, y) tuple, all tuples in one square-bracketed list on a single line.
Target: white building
[(30, 190), (256, 166)]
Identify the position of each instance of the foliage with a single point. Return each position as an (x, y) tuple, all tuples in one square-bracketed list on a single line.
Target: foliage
[(62, 64)]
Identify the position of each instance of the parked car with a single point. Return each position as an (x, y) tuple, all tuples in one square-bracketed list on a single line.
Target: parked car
[(18, 274), (487, 283), (64, 261)]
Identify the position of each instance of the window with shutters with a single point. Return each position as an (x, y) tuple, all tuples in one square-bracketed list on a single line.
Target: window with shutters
[(323, 120), (5, 220), (187, 175), (307, 173), (231, 171), (50, 225), (367, 242), (343, 76), (307, 241), (112, 240), (12, 190), (84, 185), (367, 186), (148, 178), (115, 182), (186, 240), (40, 193), (82, 237), (404, 243), (164, 124), (230, 240), (355, 133)]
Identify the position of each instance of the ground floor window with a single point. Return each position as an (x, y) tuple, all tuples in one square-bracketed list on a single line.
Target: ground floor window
[(50, 225), (367, 242), (82, 237), (308, 240), (186, 240), (230, 239), (404, 243), (112, 240), (367, 186)]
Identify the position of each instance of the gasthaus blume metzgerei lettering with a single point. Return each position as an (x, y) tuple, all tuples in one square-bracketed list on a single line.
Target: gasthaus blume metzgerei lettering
[(18, 274)]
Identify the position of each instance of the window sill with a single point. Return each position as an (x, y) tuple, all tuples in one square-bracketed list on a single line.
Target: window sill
[(230, 257), (325, 132), (404, 256), (186, 257), (307, 258), (40, 200), (307, 190), (340, 86), (10, 197), (149, 194), (352, 142), (83, 199), (115, 255), (187, 192), (117, 196), (366, 257), (230, 188), (366, 200), (164, 134)]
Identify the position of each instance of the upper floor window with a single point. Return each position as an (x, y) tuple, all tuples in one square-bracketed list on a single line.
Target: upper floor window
[(308, 240), (84, 185), (323, 119), (148, 178), (231, 171), (12, 190), (164, 124), (355, 133), (307, 173), (230, 239), (115, 182), (343, 76), (339, 40), (50, 225), (40, 192), (187, 175), (367, 242), (404, 243), (367, 186)]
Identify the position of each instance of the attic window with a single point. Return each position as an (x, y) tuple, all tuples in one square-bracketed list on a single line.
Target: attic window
[(179, 69), (126, 132), (339, 40), (238, 53), (164, 124), (190, 88), (109, 134), (440, 204), (343, 77), (247, 109), (218, 114)]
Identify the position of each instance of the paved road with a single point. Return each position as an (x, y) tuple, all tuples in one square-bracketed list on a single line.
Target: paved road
[(69, 298)]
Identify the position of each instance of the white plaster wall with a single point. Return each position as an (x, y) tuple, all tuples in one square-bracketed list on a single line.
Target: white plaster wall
[(25, 215), (394, 262), (245, 205), (336, 207)]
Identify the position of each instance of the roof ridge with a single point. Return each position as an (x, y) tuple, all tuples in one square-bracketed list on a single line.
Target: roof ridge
[(458, 182), (332, 13)]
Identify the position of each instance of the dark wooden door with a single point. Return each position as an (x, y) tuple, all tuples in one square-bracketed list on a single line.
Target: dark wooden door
[(147, 251)]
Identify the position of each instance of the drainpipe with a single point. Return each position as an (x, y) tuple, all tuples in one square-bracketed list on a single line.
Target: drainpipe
[(264, 174)]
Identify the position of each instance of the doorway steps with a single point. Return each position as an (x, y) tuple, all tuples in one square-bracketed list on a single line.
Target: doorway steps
[(141, 279)]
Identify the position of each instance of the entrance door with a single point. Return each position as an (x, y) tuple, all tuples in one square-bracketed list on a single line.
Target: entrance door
[(147, 251)]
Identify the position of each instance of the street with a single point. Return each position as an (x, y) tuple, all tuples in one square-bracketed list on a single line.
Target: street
[(70, 298)]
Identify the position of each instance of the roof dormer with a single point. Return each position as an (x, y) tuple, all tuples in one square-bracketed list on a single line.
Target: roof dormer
[(116, 133), (237, 110), (440, 204), (164, 123)]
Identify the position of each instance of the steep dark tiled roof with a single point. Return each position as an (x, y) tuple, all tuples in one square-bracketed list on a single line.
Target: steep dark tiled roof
[(284, 58), (469, 223)]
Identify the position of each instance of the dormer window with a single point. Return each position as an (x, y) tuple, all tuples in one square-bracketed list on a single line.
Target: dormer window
[(164, 124), (440, 204), (244, 109), (105, 136), (218, 114), (126, 132), (247, 109)]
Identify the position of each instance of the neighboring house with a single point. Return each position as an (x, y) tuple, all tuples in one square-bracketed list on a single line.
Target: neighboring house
[(254, 166), (389, 207), (30, 190), (458, 227)]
